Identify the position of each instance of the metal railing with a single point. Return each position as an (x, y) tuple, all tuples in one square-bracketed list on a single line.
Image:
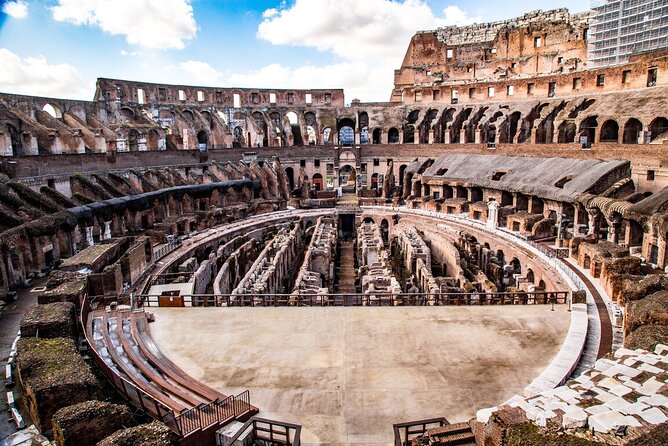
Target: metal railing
[(166, 249), (405, 432), (263, 431), (183, 423), (362, 299)]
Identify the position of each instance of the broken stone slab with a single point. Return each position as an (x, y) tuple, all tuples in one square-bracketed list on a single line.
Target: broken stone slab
[(574, 417), (650, 387), (483, 415), (655, 400), (599, 408), (661, 349), (604, 364), (620, 390), (653, 416), (607, 421)]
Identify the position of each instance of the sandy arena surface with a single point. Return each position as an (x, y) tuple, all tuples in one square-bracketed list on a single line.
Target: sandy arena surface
[(347, 374)]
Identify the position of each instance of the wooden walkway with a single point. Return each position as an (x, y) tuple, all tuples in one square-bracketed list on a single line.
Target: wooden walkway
[(123, 344)]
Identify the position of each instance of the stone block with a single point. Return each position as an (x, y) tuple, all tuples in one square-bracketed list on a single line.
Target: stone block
[(88, 422), (606, 421), (483, 415), (54, 320), (153, 434), (574, 417), (653, 416)]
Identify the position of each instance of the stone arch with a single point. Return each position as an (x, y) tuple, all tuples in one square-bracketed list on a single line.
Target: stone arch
[(202, 139), (133, 140), (588, 128), (632, 131), (409, 134), (15, 138), (293, 119), (566, 133), (327, 136), (188, 114), (363, 120), (375, 136), (126, 114), (658, 130), (261, 125), (346, 131), (238, 139), (402, 170), (508, 129), (290, 174), (530, 276), (610, 131), (317, 182), (53, 110), (393, 136), (369, 220), (442, 126), (153, 140)]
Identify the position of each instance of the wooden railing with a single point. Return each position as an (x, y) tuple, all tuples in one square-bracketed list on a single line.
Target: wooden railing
[(184, 423)]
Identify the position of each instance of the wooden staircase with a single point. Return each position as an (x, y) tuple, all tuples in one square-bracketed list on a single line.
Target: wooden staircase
[(450, 435)]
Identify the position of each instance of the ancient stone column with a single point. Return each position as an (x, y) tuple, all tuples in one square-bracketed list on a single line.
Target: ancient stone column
[(493, 214), (89, 236), (594, 221), (107, 230)]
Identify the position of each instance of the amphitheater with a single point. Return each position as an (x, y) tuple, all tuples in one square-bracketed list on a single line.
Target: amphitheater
[(480, 260)]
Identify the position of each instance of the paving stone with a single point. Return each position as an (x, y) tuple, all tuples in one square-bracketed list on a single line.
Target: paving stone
[(593, 410), (635, 408), (603, 396), (649, 368), (606, 421), (621, 352), (653, 416), (661, 349), (543, 416), (608, 383), (618, 404), (604, 364), (650, 387), (654, 400), (574, 417), (621, 369), (649, 358), (621, 390)]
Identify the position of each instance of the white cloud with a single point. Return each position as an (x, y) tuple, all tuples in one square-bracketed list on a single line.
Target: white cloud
[(456, 16), (154, 24), (371, 37), (200, 72), (353, 29), (35, 76), (131, 53), (361, 80), (17, 9)]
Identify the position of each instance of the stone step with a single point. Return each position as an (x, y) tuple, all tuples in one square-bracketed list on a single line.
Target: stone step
[(451, 434)]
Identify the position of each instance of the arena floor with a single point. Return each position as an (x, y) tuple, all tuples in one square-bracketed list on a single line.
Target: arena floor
[(347, 374)]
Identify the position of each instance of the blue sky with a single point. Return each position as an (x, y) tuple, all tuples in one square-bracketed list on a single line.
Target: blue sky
[(59, 47)]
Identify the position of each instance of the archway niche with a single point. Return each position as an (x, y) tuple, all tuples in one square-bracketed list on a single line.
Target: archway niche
[(393, 136), (632, 131), (610, 131)]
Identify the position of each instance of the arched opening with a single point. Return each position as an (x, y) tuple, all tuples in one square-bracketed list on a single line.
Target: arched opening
[(632, 131), (587, 131), (530, 276), (133, 140), (311, 128), (658, 130), (566, 132), (297, 139), (276, 130), (261, 125), (409, 134), (500, 256), (346, 130), (610, 131), (508, 129), (402, 170), (152, 142), (476, 194), (586, 263), (317, 182), (202, 140), (374, 181), (53, 111), (327, 136), (290, 174), (127, 114), (15, 137), (364, 127), (238, 137), (541, 285), (368, 220), (393, 136), (348, 179), (385, 230), (375, 138)]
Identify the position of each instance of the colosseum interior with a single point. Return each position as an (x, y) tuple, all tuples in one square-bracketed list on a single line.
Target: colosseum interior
[(481, 260)]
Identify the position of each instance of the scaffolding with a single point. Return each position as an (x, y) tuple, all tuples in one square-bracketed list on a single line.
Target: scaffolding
[(620, 28)]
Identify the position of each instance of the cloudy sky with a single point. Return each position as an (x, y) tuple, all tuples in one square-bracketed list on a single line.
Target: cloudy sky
[(59, 47)]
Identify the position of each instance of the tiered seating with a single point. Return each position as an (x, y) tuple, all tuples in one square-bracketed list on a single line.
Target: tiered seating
[(122, 340)]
